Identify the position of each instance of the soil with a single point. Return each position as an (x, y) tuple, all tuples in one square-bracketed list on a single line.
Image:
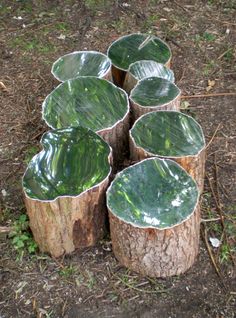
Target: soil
[(91, 283)]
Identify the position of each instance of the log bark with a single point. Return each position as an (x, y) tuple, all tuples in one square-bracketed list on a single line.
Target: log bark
[(67, 223), (118, 138), (194, 165), (138, 110), (154, 252)]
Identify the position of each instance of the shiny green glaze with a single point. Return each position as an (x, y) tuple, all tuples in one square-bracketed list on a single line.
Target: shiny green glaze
[(72, 161), (81, 63), (87, 101), (135, 47), (154, 91), (144, 69), (153, 193), (168, 134)]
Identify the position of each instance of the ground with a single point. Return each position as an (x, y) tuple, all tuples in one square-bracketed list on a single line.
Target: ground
[(91, 283)]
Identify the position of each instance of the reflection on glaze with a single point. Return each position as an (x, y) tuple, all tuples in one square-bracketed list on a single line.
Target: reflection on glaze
[(72, 160), (168, 134), (87, 101), (148, 194), (135, 47), (82, 63), (154, 91), (144, 69)]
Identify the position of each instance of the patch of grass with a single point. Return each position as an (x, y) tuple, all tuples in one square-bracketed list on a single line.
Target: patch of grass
[(208, 68), (97, 4), (224, 253), (229, 55), (62, 26), (205, 37), (119, 25), (32, 45), (150, 21), (22, 240), (30, 152), (91, 280), (68, 271)]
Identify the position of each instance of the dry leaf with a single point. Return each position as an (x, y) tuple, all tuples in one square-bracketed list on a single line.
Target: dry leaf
[(211, 84)]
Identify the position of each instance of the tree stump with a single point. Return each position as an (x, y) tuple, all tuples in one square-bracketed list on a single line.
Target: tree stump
[(154, 218), (65, 187), (172, 135), (94, 103), (82, 63), (144, 69), (67, 223), (153, 94), (135, 47)]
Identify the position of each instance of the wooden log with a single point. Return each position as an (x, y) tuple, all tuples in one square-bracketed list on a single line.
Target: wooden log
[(138, 110), (154, 94), (154, 217), (193, 164), (134, 47), (67, 223), (118, 138), (153, 252), (65, 187)]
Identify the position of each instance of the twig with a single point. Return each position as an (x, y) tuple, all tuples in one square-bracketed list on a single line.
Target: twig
[(210, 220), (212, 257), (208, 95), (221, 212), (141, 290), (223, 54), (213, 136)]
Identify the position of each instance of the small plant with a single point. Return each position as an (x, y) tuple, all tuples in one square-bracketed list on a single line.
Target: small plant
[(68, 271), (30, 152), (22, 239), (224, 253)]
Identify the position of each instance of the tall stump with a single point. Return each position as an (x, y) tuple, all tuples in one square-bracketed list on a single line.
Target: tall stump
[(154, 218), (135, 47), (144, 69), (94, 103), (82, 63), (173, 135), (65, 187), (154, 94)]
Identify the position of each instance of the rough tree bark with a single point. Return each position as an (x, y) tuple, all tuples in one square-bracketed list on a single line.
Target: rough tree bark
[(138, 110), (118, 138), (153, 252), (194, 165), (67, 223)]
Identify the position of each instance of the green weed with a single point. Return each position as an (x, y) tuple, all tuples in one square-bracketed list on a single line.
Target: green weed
[(22, 240), (30, 152), (68, 271), (96, 4)]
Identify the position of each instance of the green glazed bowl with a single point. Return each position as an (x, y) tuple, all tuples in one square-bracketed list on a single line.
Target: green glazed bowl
[(73, 160), (168, 134), (135, 47), (154, 193), (81, 63), (154, 92), (86, 101), (143, 69)]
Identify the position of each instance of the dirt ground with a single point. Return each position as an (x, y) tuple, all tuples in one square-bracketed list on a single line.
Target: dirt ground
[(91, 283)]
